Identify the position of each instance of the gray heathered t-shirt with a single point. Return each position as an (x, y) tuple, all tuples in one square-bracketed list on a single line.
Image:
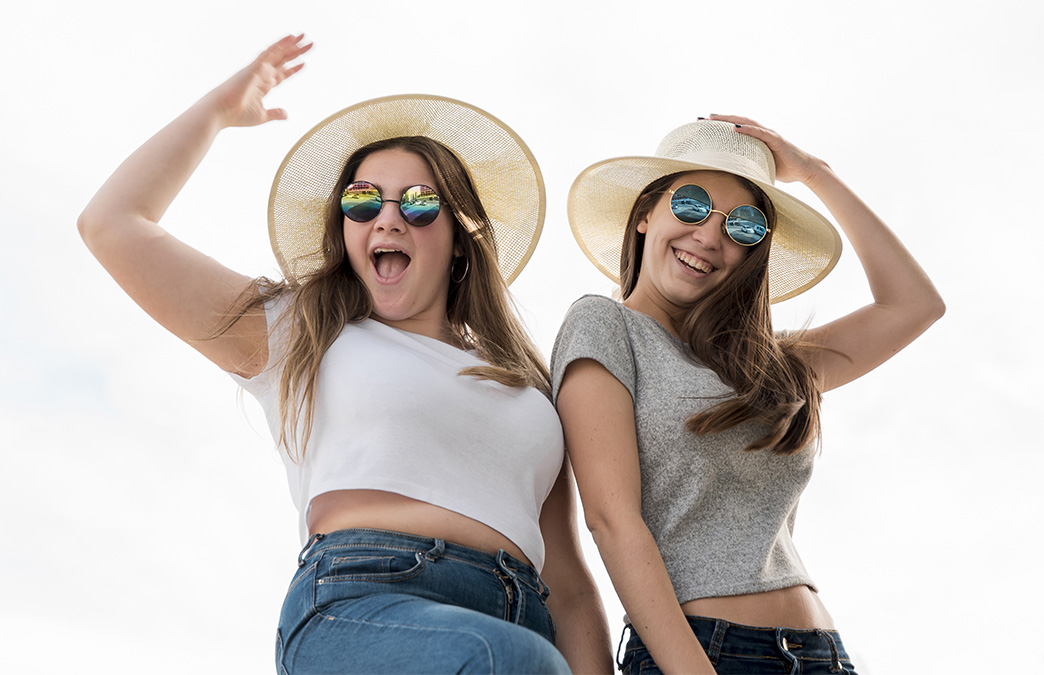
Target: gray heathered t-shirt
[(722, 517)]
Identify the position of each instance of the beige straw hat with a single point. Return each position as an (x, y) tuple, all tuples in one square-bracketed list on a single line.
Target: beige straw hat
[(503, 170), (805, 246)]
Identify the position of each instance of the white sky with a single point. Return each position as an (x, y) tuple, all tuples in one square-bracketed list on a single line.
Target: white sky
[(145, 525)]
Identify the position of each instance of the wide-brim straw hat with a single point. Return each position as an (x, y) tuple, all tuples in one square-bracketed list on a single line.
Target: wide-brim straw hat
[(805, 245), (502, 169)]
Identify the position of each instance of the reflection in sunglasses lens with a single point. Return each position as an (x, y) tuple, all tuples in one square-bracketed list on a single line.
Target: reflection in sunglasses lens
[(420, 206), (746, 225), (691, 204), (361, 202)]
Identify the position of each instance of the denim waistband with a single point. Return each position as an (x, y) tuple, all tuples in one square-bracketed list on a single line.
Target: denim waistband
[(808, 643), (430, 548), (722, 638)]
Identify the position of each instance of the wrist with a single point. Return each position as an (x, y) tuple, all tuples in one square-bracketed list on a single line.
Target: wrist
[(818, 172), (210, 112)]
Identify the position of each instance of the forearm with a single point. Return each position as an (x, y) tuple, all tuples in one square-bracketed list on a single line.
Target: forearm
[(583, 632), (144, 185), (641, 581)]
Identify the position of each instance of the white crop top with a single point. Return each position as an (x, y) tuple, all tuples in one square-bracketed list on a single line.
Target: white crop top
[(393, 414)]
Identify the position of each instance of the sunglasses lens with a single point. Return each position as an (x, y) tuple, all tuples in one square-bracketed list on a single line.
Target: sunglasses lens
[(746, 225), (691, 204), (361, 202), (420, 205)]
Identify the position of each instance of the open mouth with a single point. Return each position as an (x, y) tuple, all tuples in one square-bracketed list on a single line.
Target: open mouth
[(390, 263), (693, 262)]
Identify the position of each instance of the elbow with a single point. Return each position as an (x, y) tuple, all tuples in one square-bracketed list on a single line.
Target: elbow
[(596, 524), (940, 310), (936, 308), (607, 528), (86, 225)]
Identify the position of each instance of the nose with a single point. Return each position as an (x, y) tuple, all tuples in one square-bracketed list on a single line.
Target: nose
[(389, 218), (709, 232)]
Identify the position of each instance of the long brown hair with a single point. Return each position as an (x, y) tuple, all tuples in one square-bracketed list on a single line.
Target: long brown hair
[(479, 309), (730, 331)]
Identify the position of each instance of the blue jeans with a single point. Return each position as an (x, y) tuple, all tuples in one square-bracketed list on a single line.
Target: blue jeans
[(733, 648), (370, 601)]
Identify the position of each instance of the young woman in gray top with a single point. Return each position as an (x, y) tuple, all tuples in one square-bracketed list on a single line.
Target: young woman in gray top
[(690, 423)]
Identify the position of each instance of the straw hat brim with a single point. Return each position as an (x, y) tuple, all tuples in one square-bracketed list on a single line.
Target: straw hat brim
[(805, 246), (503, 170)]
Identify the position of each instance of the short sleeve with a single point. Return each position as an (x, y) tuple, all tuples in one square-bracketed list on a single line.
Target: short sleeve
[(278, 341), (594, 328)]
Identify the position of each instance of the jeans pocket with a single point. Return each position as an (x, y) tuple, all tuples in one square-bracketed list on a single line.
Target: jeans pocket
[(386, 566)]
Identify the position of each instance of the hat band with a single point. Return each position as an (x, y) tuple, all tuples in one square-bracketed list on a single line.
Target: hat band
[(732, 163)]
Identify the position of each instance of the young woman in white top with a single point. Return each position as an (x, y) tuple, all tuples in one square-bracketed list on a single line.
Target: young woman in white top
[(690, 423), (409, 404)]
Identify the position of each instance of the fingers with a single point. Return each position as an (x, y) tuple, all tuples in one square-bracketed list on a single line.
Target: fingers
[(284, 51), (734, 119), (295, 49), (287, 72), (745, 125), (769, 137), (792, 163)]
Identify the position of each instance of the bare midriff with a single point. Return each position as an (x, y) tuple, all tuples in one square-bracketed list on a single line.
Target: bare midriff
[(794, 607), (379, 510)]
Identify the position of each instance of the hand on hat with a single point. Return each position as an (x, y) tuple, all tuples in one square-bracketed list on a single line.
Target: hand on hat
[(239, 100), (792, 163)]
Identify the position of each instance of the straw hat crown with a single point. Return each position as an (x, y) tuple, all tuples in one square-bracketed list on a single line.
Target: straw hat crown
[(718, 143)]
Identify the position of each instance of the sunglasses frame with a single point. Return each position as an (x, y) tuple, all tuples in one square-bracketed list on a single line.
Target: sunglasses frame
[(724, 222), (381, 201)]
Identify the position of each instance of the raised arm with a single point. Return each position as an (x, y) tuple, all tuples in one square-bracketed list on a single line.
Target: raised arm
[(187, 292), (905, 300), (576, 606), (598, 417)]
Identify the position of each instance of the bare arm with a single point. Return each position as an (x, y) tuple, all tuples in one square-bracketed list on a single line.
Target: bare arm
[(905, 300), (583, 632), (598, 416), (185, 291)]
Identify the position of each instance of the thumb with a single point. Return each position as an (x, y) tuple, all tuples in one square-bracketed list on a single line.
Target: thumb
[(275, 114)]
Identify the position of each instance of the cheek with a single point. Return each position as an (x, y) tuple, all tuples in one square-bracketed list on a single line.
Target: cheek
[(354, 245), (437, 239), (734, 253)]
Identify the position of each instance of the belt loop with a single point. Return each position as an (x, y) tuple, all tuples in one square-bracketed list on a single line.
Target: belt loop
[(504, 567), (623, 634), (312, 541), (784, 648), (436, 551), (720, 628), (835, 658)]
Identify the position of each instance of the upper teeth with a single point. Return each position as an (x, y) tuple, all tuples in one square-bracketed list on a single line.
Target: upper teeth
[(385, 250), (693, 262)]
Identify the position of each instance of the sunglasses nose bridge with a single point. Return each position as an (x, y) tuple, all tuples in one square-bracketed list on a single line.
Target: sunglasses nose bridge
[(398, 222), (710, 237)]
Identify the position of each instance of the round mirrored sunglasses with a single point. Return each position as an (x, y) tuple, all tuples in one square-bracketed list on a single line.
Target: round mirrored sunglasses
[(419, 205), (746, 224)]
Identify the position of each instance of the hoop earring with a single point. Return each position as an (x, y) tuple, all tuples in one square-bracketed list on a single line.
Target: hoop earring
[(467, 266)]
